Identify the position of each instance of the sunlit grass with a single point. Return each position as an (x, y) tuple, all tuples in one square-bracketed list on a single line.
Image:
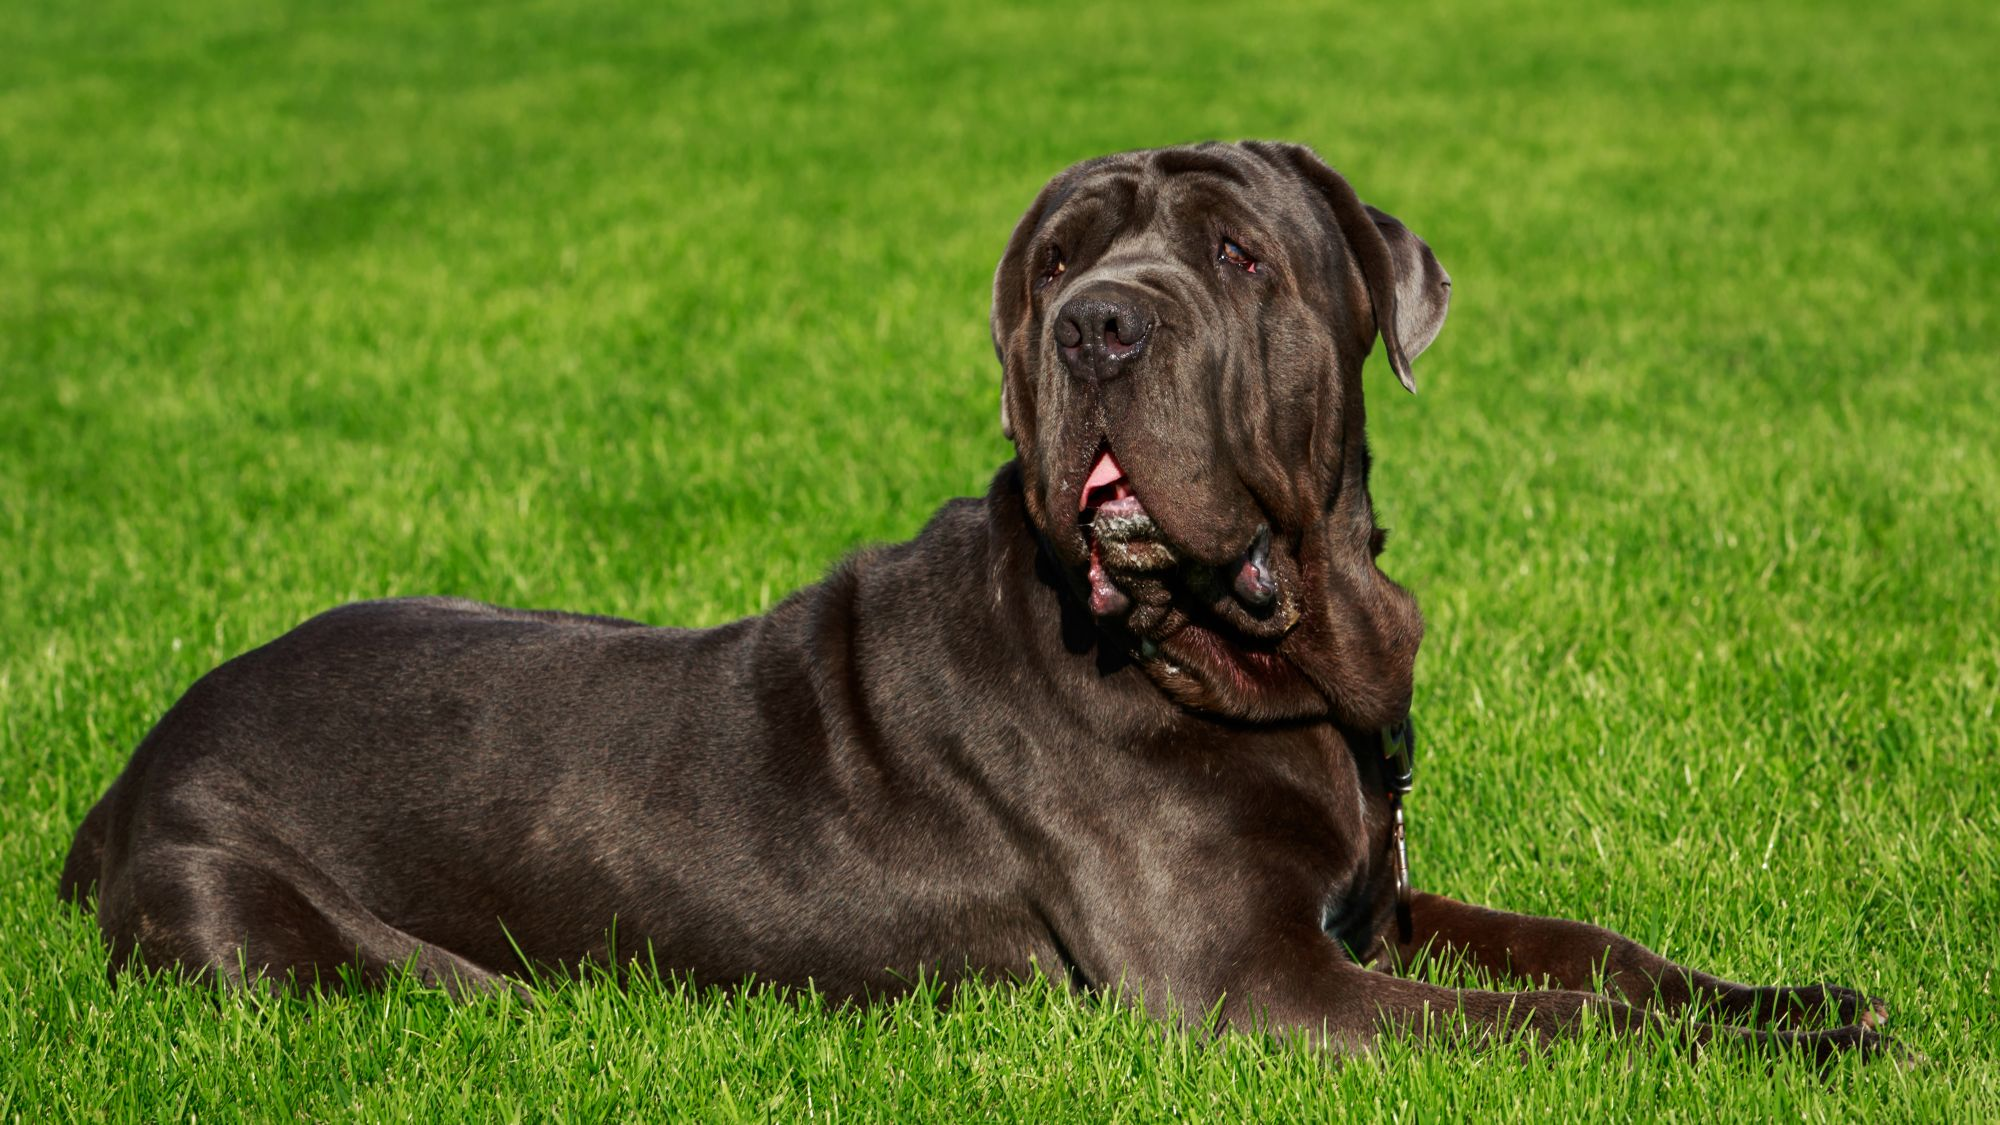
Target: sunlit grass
[(660, 310)]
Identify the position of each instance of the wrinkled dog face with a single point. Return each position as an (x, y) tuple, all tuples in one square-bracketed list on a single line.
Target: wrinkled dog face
[(1182, 333)]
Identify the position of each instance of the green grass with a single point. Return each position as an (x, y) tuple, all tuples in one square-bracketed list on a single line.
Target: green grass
[(659, 312)]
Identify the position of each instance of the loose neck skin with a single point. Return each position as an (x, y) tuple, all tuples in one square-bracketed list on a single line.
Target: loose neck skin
[(1356, 643)]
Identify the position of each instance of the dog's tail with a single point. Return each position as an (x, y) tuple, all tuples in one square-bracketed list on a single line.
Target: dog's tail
[(86, 856)]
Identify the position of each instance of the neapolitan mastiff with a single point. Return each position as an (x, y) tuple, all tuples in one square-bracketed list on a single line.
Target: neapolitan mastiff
[(1138, 714)]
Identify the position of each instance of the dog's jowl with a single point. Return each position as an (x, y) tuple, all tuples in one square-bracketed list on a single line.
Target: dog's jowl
[(1139, 728)]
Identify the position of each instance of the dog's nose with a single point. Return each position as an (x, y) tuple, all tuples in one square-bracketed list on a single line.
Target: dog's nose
[(1100, 336)]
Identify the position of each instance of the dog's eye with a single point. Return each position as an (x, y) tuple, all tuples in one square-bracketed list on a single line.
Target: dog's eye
[(1052, 267), (1235, 256)]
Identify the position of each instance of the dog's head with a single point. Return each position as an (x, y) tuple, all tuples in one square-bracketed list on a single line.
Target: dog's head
[(1182, 333)]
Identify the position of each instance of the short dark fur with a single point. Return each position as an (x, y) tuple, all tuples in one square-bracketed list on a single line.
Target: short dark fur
[(941, 758)]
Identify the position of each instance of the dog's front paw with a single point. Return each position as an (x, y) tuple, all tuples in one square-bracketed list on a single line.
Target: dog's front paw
[(1851, 1007)]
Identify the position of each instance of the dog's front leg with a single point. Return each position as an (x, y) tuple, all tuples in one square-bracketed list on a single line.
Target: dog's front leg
[(1318, 990), (1571, 955)]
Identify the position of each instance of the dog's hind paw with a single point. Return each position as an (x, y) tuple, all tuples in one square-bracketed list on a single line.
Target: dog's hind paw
[(1819, 1003), (1825, 1047)]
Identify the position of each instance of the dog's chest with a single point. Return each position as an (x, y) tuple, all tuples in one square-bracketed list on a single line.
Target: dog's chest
[(1294, 819)]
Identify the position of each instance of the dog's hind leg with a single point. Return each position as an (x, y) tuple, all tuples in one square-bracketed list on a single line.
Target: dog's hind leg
[(215, 914)]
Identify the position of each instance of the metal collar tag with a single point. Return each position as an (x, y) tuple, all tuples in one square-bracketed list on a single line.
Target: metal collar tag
[(1399, 754)]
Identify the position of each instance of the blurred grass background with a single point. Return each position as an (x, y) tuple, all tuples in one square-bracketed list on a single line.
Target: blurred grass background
[(658, 309)]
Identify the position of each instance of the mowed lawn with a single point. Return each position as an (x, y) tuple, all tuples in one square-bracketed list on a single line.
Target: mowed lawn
[(660, 309)]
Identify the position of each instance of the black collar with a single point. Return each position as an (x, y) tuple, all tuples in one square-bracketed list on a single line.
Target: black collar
[(1399, 767)]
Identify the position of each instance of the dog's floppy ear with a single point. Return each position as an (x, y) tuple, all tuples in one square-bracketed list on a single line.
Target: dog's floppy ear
[(1406, 286), (1423, 293)]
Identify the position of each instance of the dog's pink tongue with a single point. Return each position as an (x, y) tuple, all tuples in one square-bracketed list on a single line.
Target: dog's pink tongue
[(1106, 483), (1106, 471)]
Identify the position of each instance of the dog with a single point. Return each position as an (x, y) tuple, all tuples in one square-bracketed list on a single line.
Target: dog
[(1140, 714)]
